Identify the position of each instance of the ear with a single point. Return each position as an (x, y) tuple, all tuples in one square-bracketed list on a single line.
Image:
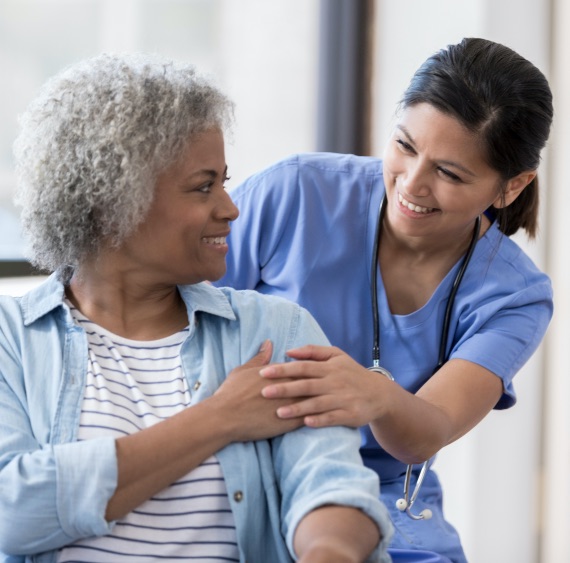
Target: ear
[(514, 188)]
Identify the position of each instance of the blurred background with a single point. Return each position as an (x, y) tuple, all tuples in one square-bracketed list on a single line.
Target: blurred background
[(327, 75)]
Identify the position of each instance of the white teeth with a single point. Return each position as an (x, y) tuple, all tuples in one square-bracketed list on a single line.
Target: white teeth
[(413, 207), (215, 240)]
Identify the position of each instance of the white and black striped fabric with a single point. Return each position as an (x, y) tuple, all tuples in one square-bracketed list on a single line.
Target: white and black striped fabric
[(132, 385)]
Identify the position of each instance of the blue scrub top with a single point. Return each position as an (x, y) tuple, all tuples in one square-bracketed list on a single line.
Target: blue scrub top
[(306, 232)]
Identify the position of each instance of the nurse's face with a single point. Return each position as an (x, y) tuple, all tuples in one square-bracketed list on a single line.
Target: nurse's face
[(437, 181)]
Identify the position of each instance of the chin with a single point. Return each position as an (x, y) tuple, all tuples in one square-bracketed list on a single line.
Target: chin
[(215, 276)]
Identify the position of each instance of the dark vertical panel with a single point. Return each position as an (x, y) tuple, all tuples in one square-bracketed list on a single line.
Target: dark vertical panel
[(345, 63)]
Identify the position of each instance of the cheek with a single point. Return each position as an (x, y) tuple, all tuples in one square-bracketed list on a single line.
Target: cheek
[(390, 175), (393, 162)]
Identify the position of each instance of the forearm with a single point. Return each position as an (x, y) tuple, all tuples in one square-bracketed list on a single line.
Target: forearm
[(335, 534), (150, 460), (413, 428), (338, 391), (410, 429)]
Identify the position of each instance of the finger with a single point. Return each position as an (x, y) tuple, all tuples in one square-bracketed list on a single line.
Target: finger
[(316, 411), (330, 418), (314, 352), (292, 389), (308, 369), (309, 406)]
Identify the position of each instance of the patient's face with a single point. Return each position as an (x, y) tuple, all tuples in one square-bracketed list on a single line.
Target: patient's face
[(183, 238)]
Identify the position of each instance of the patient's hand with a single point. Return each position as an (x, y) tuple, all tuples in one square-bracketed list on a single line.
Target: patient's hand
[(254, 416)]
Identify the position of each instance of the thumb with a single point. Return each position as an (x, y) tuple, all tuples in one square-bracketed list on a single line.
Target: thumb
[(263, 356)]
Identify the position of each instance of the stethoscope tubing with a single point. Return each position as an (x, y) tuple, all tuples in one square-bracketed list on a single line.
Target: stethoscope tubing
[(406, 503)]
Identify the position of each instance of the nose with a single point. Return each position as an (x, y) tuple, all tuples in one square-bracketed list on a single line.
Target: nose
[(415, 181), (227, 209)]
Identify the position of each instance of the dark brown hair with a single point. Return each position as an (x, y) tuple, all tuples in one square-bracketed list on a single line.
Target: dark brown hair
[(505, 100)]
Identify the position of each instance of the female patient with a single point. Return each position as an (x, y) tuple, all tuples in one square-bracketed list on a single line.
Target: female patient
[(121, 438)]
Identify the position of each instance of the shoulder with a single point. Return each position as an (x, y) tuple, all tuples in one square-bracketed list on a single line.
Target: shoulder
[(511, 270), (248, 302), (305, 168), (11, 316), (322, 185), (262, 316), (19, 315), (325, 161), (237, 304)]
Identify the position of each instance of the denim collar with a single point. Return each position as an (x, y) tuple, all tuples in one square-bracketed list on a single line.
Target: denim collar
[(50, 294)]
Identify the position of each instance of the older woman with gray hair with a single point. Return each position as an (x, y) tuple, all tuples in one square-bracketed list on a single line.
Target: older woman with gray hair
[(133, 426)]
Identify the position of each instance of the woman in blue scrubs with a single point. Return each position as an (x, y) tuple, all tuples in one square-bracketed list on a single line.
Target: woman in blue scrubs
[(460, 169)]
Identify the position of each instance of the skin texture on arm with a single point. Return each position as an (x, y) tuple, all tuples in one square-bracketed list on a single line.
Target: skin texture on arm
[(410, 427), (335, 534), (151, 459)]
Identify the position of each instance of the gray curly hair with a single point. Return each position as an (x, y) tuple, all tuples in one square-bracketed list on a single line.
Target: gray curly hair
[(92, 144)]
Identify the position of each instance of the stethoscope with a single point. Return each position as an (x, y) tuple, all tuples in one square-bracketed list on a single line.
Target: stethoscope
[(407, 502)]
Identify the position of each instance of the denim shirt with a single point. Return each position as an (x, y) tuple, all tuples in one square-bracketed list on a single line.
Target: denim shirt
[(54, 489)]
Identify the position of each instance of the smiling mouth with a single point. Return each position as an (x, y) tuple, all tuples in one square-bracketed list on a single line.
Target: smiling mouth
[(414, 207), (214, 240)]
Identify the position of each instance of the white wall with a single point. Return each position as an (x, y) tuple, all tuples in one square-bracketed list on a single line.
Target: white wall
[(491, 477), (555, 524)]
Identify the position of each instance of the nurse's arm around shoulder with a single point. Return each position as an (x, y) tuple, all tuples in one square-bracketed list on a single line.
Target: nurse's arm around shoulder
[(411, 427)]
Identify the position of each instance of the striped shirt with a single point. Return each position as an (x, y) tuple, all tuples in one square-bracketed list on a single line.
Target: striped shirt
[(132, 385)]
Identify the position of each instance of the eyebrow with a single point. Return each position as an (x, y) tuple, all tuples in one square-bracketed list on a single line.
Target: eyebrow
[(207, 172), (446, 162)]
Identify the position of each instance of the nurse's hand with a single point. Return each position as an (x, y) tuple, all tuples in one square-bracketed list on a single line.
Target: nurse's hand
[(333, 388)]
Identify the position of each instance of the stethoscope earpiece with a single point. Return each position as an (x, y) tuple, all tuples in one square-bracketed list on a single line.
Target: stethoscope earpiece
[(401, 504), (426, 514), (406, 503)]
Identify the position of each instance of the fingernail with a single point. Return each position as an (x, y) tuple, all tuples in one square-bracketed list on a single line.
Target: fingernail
[(283, 412), (265, 371), (263, 346)]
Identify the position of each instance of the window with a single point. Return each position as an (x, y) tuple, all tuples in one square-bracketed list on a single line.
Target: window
[(262, 54)]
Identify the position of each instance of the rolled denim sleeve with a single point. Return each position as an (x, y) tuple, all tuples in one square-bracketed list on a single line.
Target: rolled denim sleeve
[(316, 467), (54, 495), (53, 489)]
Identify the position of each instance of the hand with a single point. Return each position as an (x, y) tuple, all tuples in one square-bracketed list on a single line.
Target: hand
[(240, 396), (336, 389)]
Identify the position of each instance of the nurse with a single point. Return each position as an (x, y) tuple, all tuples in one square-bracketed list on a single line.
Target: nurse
[(459, 171)]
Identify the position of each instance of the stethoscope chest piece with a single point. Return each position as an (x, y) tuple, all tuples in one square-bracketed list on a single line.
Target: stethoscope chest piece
[(382, 371)]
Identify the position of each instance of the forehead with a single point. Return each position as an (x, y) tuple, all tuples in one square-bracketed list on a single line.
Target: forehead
[(204, 146), (202, 157), (443, 138)]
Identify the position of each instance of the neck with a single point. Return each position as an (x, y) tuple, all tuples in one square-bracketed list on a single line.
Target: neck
[(423, 249), (127, 306)]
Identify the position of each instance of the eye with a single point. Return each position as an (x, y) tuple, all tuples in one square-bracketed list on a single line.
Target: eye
[(450, 175), (205, 188), (406, 147), (226, 179)]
